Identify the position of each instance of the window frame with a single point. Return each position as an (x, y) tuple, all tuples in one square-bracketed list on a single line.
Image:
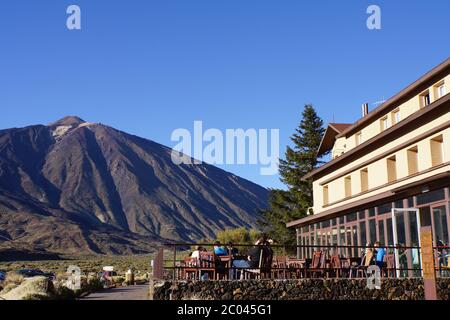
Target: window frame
[(425, 99)]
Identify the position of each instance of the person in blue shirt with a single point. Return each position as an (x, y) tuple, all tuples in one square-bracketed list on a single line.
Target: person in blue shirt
[(219, 250), (381, 252)]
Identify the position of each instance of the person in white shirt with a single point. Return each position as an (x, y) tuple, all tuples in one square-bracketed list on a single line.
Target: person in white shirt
[(196, 252)]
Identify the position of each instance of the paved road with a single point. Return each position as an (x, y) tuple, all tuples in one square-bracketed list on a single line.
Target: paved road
[(139, 292)]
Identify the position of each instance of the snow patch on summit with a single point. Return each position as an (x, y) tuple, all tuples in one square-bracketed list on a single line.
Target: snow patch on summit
[(60, 131)]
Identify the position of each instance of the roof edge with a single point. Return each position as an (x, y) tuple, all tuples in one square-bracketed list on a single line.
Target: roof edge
[(394, 99)]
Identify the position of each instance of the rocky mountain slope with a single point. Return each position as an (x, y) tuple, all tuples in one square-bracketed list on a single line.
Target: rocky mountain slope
[(79, 186)]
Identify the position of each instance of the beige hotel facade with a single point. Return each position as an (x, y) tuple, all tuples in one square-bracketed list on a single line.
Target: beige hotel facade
[(387, 170)]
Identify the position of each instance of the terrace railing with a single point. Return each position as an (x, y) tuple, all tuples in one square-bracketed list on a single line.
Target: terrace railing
[(286, 262)]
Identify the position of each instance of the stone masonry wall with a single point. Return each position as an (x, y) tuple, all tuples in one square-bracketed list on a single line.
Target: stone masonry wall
[(302, 289)]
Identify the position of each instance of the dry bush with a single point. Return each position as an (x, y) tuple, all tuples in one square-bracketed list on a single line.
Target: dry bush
[(7, 288), (13, 278), (36, 286)]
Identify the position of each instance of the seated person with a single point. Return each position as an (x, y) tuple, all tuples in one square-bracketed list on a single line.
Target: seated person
[(254, 254), (219, 250), (252, 259), (232, 250), (380, 253), (196, 252)]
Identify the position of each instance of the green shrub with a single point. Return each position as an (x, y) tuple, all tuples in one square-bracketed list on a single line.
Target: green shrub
[(95, 284), (238, 236), (64, 293)]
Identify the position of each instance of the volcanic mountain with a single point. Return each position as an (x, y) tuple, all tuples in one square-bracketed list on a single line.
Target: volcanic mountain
[(75, 186)]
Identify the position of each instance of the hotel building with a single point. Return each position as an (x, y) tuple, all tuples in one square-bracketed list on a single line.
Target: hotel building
[(392, 163)]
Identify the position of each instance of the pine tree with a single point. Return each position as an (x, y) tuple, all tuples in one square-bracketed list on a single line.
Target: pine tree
[(293, 203)]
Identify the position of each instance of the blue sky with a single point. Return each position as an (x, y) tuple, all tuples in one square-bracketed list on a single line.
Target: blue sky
[(148, 67)]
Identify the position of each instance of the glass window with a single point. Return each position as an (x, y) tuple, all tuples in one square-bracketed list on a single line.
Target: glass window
[(341, 220), (396, 116), (413, 227), (431, 196), (411, 202), (399, 204), (349, 241), (326, 224), (425, 216), (318, 237), (401, 238), (390, 239), (335, 236), (355, 251), (385, 208), (351, 217), (362, 233), (314, 239), (301, 251), (425, 99), (440, 226), (372, 231), (334, 241), (361, 215), (381, 232), (342, 240), (441, 91), (384, 123), (372, 212)]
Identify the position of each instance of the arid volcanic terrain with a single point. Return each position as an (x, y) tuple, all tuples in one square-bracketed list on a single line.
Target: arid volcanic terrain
[(73, 186)]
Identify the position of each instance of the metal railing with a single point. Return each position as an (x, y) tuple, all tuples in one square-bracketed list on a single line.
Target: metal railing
[(404, 261)]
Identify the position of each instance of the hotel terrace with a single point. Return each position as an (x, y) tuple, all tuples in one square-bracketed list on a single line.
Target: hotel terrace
[(389, 173)]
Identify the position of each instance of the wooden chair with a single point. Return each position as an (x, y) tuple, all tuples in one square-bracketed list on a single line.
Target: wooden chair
[(223, 267), (264, 264), (279, 266), (179, 271), (295, 267), (335, 268), (248, 273), (207, 265), (317, 265), (390, 265), (190, 270), (366, 261)]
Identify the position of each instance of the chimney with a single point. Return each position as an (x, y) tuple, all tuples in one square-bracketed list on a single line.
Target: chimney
[(365, 109)]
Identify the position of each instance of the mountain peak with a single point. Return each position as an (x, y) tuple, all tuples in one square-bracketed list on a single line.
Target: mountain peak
[(73, 121), (75, 186)]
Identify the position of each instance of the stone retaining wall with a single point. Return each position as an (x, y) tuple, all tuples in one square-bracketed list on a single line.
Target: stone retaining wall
[(302, 289)]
